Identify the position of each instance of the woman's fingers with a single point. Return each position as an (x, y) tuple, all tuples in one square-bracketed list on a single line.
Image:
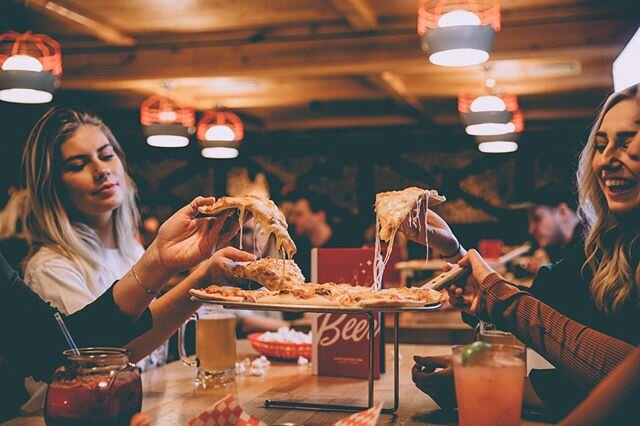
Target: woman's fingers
[(432, 362), (191, 209), (236, 255)]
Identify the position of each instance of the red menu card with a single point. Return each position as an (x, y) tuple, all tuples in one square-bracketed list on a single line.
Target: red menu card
[(341, 341)]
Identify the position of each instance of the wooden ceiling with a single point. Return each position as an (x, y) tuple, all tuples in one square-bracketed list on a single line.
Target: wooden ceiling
[(293, 64)]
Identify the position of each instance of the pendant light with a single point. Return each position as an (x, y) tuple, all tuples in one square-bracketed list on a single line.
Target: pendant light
[(495, 144), (219, 134), (165, 123), (30, 67), (487, 115), (458, 33)]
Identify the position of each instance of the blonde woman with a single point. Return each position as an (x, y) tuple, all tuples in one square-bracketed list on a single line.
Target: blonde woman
[(82, 212), (597, 285)]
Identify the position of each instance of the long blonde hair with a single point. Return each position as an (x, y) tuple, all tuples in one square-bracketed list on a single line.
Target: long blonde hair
[(48, 222), (610, 239)]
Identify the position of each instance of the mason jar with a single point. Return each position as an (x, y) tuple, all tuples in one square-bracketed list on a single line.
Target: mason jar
[(98, 386)]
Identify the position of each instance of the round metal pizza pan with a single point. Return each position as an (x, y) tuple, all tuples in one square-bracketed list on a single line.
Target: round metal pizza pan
[(317, 309)]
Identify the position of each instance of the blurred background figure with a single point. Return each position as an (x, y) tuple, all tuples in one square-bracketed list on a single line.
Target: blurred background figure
[(317, 225), (554, 224), (13, 241)]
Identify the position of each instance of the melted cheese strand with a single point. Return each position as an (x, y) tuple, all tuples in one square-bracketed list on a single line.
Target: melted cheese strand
[(427, 194), (241, 220), (376, 257)]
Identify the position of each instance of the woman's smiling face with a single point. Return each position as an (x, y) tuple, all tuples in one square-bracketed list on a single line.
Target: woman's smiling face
[(616, 160)]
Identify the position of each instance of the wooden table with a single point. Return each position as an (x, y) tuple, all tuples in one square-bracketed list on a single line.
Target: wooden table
[(171, 398)]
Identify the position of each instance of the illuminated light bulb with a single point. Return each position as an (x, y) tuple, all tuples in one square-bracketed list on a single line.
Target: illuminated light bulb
[(487, 103), (22, 63), (220, 133), (489, 129), (167, 116), (457, 18), (490, 83), (459, 57), (168, 141), (497, 147), (25, 96), (221, 152)]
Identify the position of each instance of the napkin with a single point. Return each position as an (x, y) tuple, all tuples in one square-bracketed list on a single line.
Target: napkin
[(362, 418), (225, 412)]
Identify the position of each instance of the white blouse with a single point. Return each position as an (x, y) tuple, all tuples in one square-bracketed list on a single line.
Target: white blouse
[(59, 281)]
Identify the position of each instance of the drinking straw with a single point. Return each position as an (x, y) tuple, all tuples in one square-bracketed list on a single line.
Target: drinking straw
[(67, 335)]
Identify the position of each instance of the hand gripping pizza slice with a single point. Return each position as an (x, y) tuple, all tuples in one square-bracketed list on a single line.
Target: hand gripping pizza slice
[(391, 210)]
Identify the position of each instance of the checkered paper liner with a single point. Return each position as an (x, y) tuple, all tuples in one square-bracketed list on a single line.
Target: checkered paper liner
[(225, 412), (362, 418)]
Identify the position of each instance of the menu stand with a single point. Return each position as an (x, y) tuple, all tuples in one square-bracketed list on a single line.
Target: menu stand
[(370, 313)]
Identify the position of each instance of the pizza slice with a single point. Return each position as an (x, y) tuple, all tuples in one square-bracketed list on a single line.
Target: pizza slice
[(394, 206), (269, 273), (265, 213), (391, 210)]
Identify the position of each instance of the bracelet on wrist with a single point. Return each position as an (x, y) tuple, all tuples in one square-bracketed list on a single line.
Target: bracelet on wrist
[(148, 290), (455, 253)]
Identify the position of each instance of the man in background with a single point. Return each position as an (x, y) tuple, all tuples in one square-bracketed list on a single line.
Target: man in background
[(317, 226), (553, 223)]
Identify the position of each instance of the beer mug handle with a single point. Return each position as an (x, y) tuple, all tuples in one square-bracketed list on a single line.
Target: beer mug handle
[(193, 361)]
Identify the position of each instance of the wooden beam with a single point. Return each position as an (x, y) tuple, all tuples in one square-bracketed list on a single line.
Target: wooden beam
[(359, 13), (93, 25), (550, 114), (393, 85), (349, 54), (342, 122)]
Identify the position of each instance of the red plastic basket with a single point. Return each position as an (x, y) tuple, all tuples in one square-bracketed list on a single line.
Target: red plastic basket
[(280, 350)]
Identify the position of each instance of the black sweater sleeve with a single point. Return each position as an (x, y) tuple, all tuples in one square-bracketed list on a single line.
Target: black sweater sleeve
[(30, 339)]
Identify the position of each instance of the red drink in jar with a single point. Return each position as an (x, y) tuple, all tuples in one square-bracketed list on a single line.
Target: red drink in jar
[(96, 387)]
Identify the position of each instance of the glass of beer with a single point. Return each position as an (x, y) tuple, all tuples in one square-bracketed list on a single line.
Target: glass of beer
[(489, 384), (215, 355)]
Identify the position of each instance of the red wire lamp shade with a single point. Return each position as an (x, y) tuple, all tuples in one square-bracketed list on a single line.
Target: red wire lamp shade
[(220, 134), (458, 33), (165, 123), (30, 67)]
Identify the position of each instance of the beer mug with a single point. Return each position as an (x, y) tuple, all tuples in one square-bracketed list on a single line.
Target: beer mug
[(215, 356)]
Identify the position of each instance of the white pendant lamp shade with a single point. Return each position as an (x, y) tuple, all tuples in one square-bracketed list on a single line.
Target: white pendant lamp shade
[(487, 103), (489, 128), (498, 144), (220, 134), (166, 124), (497, 147), (458, 33), (30, 67), (220, 152)]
